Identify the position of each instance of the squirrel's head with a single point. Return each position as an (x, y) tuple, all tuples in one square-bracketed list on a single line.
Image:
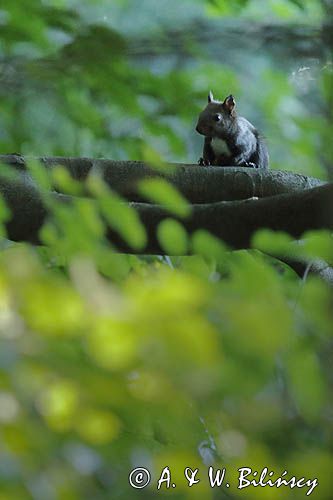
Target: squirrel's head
[(217, 118)]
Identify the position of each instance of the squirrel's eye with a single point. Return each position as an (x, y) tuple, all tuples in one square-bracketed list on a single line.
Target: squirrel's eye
[(217, 117)]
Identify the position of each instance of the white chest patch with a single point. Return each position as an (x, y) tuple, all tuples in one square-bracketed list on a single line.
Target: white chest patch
[(220, 147)]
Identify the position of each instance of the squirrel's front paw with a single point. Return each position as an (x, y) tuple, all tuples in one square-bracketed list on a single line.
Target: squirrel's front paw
[(250, 164), (203, 163)]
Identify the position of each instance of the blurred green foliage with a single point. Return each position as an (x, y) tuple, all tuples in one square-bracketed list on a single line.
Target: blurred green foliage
[(109, 361)]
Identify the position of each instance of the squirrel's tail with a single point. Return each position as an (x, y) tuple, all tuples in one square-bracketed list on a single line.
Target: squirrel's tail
[(262, 159)]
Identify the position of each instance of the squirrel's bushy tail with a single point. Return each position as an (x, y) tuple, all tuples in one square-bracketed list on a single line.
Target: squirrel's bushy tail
[(262, 156)]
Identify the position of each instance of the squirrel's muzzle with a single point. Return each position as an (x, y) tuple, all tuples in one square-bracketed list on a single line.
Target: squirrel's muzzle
[(203, 129), (199, 129)]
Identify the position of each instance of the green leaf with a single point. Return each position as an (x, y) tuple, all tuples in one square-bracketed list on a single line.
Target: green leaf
[(307, 384), (298, 3), (172, 237), (273, 242), (319, 244), (64, 182), (225, 7), (207, 245), (162, 192), (40, 174), (153, 159), (118, 213)]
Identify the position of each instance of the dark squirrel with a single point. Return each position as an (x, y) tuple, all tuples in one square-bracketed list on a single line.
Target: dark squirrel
[(230, 139)]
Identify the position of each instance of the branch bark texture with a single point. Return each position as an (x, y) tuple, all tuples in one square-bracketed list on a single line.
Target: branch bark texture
[(234, 221), (198, 184), (288, 202)]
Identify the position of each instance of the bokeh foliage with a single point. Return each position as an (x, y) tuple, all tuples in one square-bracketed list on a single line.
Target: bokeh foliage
[(107, 361)]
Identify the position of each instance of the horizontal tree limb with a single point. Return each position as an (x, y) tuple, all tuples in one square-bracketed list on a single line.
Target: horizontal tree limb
[(303, 267), (234, 222), (198, 184)]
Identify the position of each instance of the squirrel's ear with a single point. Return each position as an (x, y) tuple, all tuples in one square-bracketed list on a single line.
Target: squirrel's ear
[(210, 96), (229, 103)]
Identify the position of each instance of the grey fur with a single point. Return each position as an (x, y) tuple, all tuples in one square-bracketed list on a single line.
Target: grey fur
[(245, 145)]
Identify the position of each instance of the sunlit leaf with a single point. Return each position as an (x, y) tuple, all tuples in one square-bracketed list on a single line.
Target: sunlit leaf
[(64, 183), (208, 245), (58, 404), (113, 343), (274, 242), (119, 214), (40, 174), (98, 427), (154, 159), (307, 384), (172, 237), (51, 307), (319, 244), (162, 192)]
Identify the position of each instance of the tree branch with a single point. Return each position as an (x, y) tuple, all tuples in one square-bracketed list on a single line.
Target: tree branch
[(198, 184), (234, 222), (301, 267)]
